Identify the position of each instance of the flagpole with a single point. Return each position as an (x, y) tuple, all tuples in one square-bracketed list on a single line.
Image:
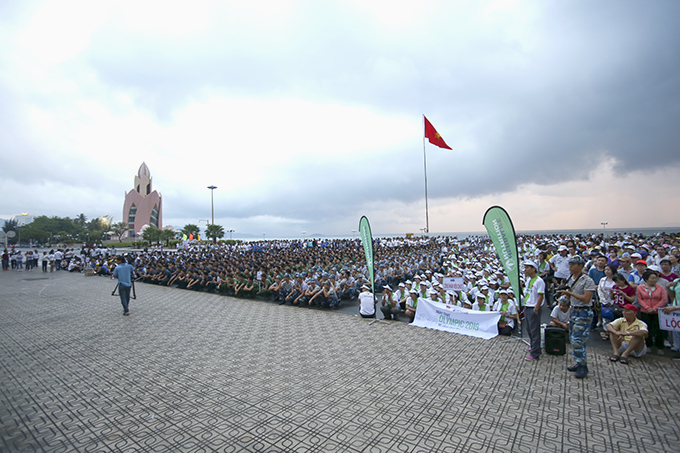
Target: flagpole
[(427, 215)]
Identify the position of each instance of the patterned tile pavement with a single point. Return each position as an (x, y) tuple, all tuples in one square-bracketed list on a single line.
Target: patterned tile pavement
[(202, 372)]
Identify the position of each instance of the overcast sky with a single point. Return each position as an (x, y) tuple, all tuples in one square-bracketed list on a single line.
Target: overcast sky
[(307, 115)]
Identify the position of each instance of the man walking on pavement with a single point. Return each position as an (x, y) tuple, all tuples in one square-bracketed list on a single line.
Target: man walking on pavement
[(123, 272)]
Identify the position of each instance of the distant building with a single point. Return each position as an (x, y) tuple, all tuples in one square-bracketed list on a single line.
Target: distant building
[(143, 205), (24, 219)]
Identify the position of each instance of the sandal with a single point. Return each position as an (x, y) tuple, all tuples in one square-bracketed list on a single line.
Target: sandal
[(604, 336), (614, 358), (624, 360)]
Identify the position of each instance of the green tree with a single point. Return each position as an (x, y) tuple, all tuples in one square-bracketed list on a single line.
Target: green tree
[(80, 221), (190, 228), (58, 225), (32, 232), (167, 235), (94, 225), (10, 225), (152, 234), (119, 229), (214, 231)]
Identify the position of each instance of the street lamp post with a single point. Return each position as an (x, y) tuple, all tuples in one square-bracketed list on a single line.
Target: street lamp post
[(230, 231), (212, 202)]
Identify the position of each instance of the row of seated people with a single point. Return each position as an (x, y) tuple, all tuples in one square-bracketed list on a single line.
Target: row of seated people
[(322, 292)]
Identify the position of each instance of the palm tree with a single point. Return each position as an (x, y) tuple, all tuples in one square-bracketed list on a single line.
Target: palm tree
[(10, 225), (80, 220), (214, 231), (190, 228)]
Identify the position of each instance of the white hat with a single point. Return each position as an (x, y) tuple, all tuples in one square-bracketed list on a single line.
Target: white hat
[(531, 263)]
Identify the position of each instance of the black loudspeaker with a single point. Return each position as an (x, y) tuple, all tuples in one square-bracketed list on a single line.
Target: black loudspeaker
[(555, 340)]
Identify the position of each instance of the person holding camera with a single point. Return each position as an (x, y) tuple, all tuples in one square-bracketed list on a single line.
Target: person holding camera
[(124, 272), (579, 288)]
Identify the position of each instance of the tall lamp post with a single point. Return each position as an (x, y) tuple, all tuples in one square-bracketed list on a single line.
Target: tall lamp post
[(212, 202), (230, 231)]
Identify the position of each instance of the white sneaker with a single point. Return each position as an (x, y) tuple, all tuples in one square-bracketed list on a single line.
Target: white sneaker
[(667, 344)]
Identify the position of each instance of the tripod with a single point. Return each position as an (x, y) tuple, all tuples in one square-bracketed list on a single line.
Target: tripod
[(134, 292)]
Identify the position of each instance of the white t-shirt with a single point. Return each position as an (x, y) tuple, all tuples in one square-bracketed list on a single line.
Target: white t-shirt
[(367, 306), (534, 287), (561, 263), (560, 315), (511, 310)]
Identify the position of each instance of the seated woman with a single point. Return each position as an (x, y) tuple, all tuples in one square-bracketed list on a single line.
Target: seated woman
[(481, 303), (508, 311)]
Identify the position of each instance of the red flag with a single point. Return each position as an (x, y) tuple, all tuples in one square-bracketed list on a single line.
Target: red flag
[(433, 136), (191, 237)]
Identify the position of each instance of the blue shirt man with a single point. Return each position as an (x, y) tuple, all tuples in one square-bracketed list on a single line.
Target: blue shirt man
[(123, 272)]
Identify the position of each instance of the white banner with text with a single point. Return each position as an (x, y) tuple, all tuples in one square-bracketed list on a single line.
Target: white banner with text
[(666, 322), (438, 316)]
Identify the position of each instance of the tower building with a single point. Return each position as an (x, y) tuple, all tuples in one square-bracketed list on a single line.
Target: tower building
[(143, 205)]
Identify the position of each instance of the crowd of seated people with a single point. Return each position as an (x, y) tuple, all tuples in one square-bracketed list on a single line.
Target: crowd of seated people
[(325, 273)]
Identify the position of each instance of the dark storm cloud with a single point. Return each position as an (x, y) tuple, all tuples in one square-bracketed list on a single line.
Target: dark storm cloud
[(586, 81)]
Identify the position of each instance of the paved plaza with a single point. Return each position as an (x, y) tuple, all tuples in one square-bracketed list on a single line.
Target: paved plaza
[(201, 372)]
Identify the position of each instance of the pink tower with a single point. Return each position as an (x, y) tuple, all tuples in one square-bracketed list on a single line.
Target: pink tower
[(142, 205)]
